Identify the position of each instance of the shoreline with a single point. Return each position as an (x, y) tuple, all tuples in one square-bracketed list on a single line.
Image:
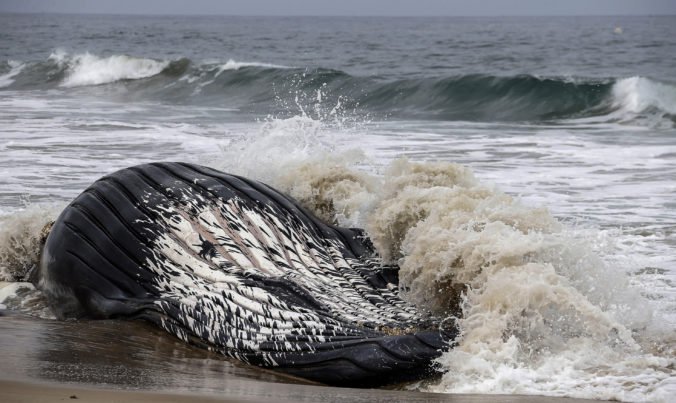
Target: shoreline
[(108, 360), (18, 391)]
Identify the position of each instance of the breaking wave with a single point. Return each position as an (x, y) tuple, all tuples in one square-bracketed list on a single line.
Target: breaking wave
[(11, 69), (87, 69), (269, 88), (540, 312)]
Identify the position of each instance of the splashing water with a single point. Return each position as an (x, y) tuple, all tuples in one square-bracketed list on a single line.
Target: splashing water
[(15, 68), (327, 94), (540, 312), (560, 276), (87, 69), (21, 235)]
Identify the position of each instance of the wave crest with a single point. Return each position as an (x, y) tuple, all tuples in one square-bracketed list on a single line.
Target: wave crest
[(267, 88), (15, 68), (87, 69), (641, 98), (235, 65)]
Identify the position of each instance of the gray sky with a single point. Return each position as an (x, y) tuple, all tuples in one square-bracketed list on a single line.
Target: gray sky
[(348, 7)]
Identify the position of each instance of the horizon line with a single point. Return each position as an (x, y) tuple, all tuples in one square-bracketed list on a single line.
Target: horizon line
[(160, 14)]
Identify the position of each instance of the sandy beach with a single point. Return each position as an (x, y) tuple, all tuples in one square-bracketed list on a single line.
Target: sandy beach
[(121, 361), (14, 391)]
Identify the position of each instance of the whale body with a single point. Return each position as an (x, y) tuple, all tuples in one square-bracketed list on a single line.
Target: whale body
[(232, 265)]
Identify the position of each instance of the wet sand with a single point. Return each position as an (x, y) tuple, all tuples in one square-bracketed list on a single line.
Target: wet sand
[(47, 360)]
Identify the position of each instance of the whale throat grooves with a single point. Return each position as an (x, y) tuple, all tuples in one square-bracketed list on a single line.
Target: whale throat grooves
[(232, 265)]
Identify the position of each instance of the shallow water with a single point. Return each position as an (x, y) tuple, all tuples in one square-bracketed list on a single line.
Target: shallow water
[(121, 354)]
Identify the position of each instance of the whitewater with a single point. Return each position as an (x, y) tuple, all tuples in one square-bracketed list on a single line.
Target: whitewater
[(530, 203)]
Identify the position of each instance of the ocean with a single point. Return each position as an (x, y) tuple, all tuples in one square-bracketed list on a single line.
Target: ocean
[(520, 171)]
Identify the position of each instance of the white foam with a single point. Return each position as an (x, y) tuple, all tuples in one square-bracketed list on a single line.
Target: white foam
[(547, 308), (20, 234), (635, 95), (569, 280), (15, 68), (24, 297), (235, 65), (542, 313), (87, 69)]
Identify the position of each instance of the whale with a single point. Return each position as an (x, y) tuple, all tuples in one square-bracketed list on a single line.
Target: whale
[(232, 265)]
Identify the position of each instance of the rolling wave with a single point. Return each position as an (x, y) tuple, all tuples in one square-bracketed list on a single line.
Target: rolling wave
[(271, 88)]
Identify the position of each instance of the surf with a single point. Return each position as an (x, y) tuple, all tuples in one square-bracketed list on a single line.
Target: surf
[(271, 88), (528, 293)]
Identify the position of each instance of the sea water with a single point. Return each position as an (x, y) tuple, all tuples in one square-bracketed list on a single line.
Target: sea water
[(520, 171)]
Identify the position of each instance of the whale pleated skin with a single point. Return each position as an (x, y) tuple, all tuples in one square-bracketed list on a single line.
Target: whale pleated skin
[(232, 265)]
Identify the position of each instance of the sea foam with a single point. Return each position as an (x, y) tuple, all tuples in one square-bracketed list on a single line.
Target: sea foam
[(8, 78), (636, 94), (87, 69), (235, 65), (640, 101), (20, 235), (640, 98), (540, 312)]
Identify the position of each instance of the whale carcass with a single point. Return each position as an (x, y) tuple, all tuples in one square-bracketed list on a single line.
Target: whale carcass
[(232, 265)]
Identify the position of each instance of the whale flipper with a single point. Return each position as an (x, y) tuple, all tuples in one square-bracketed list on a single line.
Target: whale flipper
[(232, 265)]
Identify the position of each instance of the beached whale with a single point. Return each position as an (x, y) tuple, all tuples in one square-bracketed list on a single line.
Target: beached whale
[(232, 265)]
